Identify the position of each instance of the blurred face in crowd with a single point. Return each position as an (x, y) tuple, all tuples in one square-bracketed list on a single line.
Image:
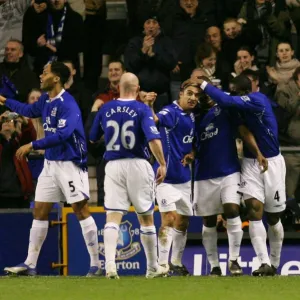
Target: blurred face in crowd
[(13, 52), (8, 125), (260, 2), (151, 28), (189, 6), (232, 29), (213, 37), (34, 96), (189, 97), (115, 71), (210, 62), (57, 4), (284, 52), (245, 58), (48, 79), (197, 74)]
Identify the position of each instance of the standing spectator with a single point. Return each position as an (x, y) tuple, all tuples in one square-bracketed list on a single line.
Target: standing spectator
[(11, 17), (57, 34), (15, 177), (273, 20), (151, 58), (285, 66), (16, 77), (94, 33), (288, 97), (77, 89), (294, 9), (186, 27)]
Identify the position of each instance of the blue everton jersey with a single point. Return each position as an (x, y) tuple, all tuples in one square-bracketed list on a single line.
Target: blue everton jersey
[(127, 126), (64, 134), (258, 117), (216, 153), (177, 132)]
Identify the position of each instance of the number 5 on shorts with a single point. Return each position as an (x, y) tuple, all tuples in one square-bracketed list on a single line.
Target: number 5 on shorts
[(72, 187)]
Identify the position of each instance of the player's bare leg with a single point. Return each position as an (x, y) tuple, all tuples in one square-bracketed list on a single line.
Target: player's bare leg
[(38, 233), (165, 236), (258, 236), (209, 241), (179, 242), (275, 235), (111, 235), (149, 242), (90, 234), (235, 235)]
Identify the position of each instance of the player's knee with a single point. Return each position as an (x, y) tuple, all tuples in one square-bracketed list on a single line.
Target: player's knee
[(81, 210), (231, 210), (182, 223), (255, 209), (273, 218), (210, 221), (168, 219)]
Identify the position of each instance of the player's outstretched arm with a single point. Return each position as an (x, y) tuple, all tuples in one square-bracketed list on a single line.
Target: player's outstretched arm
[(157, 150), (28, 110), (149, 99), (250, 141)]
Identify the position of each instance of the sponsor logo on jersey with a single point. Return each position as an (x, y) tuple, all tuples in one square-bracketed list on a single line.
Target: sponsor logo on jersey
[(48, 121), (187, 139), (126, 248), (48, 128), (54, 111), (210, 132), (61, 123), (245, 98)]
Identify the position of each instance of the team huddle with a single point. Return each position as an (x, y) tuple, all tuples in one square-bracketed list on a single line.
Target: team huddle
[(182, 140)]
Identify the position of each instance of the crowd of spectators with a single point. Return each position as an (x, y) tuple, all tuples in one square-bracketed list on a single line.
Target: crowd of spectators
[(167, 42)]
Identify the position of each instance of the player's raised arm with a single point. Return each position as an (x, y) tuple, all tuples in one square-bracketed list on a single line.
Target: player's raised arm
[(250, 141), (28, 110), (149, 99), (96, 130), (243, 101)]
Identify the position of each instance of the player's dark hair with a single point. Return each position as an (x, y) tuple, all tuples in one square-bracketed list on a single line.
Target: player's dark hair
[(67, 61), (242, 85), (251, 73), (61, 70)]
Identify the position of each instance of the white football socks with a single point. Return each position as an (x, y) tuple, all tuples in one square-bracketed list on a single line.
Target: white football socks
[(38, 233), (149, 242), (90, 234), (164, 244), (209, 241), (111, 235), (179, 242), (258, 237), (275, 235), (235, 235)]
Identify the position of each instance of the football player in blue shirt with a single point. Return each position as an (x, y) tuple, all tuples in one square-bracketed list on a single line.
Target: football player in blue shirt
[(128, 127), (217, 178), (177, 126), (64, 176), (261, 191)]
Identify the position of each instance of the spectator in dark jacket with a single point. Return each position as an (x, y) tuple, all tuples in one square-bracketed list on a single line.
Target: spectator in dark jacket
[(16, 79), (54, 34), (15, 177), (151, 57)]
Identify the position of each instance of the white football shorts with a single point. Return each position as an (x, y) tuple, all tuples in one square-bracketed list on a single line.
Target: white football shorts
[(129, 181), (268, 187), (211, 194), (62, 181), (175, 197)]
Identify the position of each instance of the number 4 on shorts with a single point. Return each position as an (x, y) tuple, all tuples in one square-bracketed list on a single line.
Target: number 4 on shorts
[(277, 197)]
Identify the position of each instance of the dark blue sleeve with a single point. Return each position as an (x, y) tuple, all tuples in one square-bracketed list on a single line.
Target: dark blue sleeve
[(68, 118), (244, 103), (148, 125), (167, 117), (96, 130), (28, 110)]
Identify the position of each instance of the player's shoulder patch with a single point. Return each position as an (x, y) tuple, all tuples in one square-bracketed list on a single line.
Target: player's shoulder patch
[(245, 98), (154, 129)]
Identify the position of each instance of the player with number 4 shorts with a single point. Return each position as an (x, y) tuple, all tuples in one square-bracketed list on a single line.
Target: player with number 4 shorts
[(127, 126), (64, 177), (262, 192), (177, 126)]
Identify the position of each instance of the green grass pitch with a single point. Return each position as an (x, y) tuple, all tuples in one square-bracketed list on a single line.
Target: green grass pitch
[(139, 288)]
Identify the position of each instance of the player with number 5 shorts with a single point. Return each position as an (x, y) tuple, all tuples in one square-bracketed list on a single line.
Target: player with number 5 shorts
[(64, 177), (261, 191), (128, 127)]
